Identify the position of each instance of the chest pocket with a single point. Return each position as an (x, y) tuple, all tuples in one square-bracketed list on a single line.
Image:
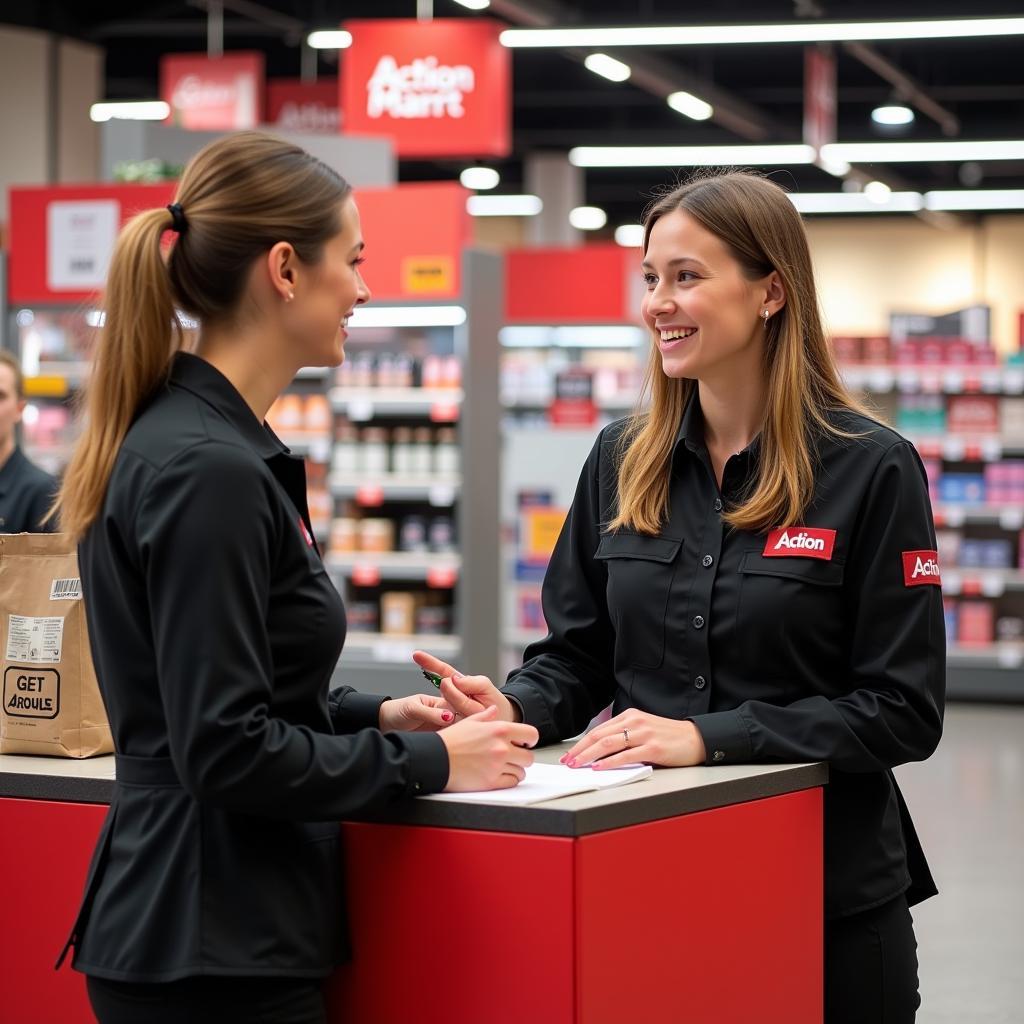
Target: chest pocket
[(640, 574), (781, 597)]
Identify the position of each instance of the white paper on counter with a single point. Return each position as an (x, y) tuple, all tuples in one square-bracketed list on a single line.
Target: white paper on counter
[(550, 782)]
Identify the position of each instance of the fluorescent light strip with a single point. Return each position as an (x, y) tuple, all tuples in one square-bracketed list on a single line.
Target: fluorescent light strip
[(588, 218), (630, 236), (856, 202), (608, 67), (479, 178), (976, 199), (912, 152), (690, 156), (475, 5), (329, 39), (136, 110), (692, 106), (504, 206), (576, 336), (408, 316), (789, 32)]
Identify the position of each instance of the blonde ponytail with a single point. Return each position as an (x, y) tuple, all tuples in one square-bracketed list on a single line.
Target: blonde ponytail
[(140, 334)]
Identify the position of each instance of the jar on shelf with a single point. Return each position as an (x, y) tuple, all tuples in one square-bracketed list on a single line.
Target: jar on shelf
[(376, 535), (345, 458), (412, 534), (404, 371), (374, 455), (397, 612), (441, 534), (362, 616), (402, 451), (344, 535), (446, 452), (434, 620), (423, 453)]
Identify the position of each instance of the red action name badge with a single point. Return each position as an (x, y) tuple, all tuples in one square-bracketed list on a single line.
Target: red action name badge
[(921, 567), (800, 542)]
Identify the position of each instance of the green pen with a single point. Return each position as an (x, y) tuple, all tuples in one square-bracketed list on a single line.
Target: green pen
[(432, 677)]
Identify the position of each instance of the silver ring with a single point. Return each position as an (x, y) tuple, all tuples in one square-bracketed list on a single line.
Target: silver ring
[(625, 733)]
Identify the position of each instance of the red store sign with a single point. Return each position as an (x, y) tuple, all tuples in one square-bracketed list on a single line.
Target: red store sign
[(439, 89), (213, 93), (297, 106)]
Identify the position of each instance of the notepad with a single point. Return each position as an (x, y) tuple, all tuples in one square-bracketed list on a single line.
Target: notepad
[(550, 782)]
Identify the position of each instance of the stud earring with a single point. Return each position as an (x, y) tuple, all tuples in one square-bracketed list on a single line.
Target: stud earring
[(291, 295), (765, 314)]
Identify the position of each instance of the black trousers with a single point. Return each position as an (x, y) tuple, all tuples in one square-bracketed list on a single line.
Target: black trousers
[(208, 1000), (871, 967)]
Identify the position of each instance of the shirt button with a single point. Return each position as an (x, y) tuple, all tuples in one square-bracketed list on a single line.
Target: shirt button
[(719, 755), (700, 682), (718, 504), (698, 622), (707, 561)]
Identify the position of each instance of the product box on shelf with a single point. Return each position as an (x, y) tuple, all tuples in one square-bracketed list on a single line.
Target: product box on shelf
[(973, 414), (1011, 416), (876, 349), (950, 610), (975, 623), (962, 488)]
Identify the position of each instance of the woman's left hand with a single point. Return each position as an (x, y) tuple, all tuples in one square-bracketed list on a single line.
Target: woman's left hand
[(419, 713), (637, 737)]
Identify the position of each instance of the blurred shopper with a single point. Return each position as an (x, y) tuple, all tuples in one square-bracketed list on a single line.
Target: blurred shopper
[(748, 573), (215, 891), (26, 492)]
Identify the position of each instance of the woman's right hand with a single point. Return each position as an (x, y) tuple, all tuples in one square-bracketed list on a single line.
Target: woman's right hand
[(466, 695), (484, 753)]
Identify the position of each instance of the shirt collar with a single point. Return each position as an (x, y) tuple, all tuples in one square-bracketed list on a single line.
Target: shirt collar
[(206, 382), (691, 435)]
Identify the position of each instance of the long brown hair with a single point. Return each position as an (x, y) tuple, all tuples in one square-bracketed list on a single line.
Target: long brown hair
[(240, 195), (764, 232)]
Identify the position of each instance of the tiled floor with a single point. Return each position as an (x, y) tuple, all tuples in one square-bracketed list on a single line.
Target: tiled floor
[(967, 801)]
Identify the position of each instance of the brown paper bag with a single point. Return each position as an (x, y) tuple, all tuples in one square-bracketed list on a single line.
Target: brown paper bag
[(51, 703)]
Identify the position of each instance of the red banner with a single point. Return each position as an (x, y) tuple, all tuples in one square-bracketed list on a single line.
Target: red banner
[(213, 93), (439, 89), (297, 106)]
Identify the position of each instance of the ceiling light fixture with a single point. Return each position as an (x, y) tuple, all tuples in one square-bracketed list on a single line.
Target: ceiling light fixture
[(504, 206), (912, 152), (630, 236), (588, 218), (136, 110), (479, 179), (892, 114), (608, 67), (475, 5), (856, 202), (329, 39), (407, 316), (788, 32), (976, 199), (877, 191), (690, 105), (690, 156)]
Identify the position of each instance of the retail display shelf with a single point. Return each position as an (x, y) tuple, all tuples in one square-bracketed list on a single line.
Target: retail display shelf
[(981, 582), (968, 447), (370, 491), (56, 379), (521, 638), (440, 405), (949, 380), (1002, 655), (610, 403), (397, 648), (1009, 516), (316, 449), (396, 565)]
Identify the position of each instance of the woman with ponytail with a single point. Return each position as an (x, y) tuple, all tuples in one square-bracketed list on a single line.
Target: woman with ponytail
[(748, 573), (215, 891)]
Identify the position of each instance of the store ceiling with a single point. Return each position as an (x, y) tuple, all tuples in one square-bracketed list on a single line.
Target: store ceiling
[(559, 104)]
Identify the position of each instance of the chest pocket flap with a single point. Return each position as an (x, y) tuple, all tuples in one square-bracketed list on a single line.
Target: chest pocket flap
[(636, 545), (807, 570)]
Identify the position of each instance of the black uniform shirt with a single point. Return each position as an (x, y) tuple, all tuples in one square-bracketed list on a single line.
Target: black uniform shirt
[(26, 493), (214, 632), (822, 642)]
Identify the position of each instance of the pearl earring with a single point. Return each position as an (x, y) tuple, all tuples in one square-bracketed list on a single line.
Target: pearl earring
[(765, 314), (291, 295)]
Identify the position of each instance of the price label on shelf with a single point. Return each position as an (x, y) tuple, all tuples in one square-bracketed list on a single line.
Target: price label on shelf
[(370, 495), (954, 449), (1010, 655), (360, 410), (365, 575), (954, 382), (442, 577), (993, 584), (972, 587), (951, 582), (953, 517), (444, 412), (882, 380), (441, 495), (319, 450), (1013, 381), (392, 651), (991, 383)]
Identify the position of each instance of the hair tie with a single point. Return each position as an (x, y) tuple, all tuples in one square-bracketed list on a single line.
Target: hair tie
[(178, 222)]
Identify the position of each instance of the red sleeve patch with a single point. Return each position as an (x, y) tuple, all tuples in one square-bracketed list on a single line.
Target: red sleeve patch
[(921, 567)]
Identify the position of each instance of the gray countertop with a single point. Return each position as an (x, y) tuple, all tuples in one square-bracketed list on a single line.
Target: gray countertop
[(667, 793)]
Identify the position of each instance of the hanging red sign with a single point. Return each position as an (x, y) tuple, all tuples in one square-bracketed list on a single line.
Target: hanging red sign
[(441, 88), (213, 93), (297, 106)]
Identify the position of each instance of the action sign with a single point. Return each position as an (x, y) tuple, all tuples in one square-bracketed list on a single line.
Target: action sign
[(213, 93), (438, 89)]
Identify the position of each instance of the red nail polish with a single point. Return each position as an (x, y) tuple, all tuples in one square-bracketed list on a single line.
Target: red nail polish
[(446, 717)]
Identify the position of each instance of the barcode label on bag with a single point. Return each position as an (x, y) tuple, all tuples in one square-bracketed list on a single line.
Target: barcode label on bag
[(66, 590)]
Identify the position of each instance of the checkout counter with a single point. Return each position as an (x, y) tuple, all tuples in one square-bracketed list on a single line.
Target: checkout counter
[(692, 895)]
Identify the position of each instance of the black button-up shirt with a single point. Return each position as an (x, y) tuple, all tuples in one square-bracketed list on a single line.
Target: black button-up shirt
[(822, 642), (214, 631), (26, 494)]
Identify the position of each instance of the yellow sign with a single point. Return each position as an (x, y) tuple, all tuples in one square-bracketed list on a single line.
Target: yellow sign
[(541, 527), (428, 275), (46, 387)]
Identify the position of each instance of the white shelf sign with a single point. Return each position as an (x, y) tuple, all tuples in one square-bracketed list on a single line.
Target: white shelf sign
[(80, 239)]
